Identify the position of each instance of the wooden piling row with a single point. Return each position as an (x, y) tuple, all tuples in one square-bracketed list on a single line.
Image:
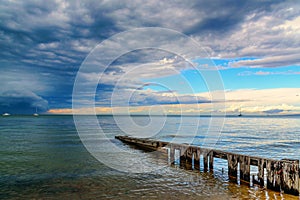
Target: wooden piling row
[(282, 175)]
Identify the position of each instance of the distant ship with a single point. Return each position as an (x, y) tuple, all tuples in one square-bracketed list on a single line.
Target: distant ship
[(6, 114), (240, 113), (36, 113)]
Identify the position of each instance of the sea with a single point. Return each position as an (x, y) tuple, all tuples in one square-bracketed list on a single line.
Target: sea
[(66, 157)]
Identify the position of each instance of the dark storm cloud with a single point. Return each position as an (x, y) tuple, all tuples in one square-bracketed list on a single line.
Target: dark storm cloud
[(24, 102), (50, 40), (222, 17), (50, 35)]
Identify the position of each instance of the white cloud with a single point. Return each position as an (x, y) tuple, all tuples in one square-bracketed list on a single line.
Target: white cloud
[(264, 100), (290, 27)]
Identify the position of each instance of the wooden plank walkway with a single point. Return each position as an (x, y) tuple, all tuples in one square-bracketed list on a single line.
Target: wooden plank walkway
[(281, 175)]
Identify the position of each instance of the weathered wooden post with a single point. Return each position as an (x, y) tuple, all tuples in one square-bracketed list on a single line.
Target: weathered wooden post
[(277, 175), (172, 154), (244, 168), (189, 155), (261, 164), (232, 165), (197, 153), (211, 160), (189, 158), (290, 184), (270, 174), (183, 157), (205, 160)]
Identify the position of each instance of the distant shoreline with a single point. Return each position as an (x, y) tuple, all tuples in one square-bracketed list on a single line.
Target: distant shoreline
[(144, 115)]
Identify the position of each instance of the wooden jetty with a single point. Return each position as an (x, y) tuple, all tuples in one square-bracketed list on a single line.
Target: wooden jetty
[(278, 175)]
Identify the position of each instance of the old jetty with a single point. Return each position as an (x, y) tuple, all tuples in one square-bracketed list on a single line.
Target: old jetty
[(278, 175)]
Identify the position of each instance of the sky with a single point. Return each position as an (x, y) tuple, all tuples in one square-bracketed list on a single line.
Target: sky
[(53, 57)]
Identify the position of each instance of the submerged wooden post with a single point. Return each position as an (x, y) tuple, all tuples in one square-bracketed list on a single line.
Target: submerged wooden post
[(232, 165), (211, 160), (261, 164), (290, 184), (244, 168)]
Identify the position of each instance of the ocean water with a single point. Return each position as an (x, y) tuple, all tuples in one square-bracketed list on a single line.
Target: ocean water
[(46, 158)]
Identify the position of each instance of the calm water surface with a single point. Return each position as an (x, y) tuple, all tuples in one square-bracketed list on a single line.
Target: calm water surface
[(44, 158)]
